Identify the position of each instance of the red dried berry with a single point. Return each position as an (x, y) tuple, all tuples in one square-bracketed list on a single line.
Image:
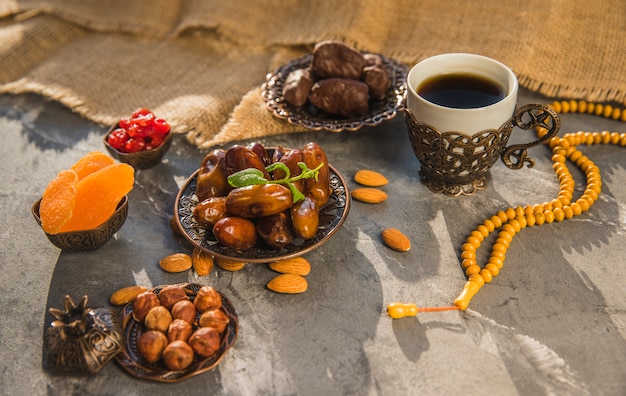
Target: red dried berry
[(117, 138), (133, 145), (140, 112), (161, 126)]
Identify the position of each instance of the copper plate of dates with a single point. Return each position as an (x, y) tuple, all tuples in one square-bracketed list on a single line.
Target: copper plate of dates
[(312, 118), (131, 361), (332, 216)]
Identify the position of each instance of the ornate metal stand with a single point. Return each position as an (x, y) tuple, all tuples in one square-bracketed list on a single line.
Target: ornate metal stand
[(454, 163)]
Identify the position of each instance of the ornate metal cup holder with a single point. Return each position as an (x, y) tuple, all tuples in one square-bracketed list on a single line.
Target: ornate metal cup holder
[(454, 163)]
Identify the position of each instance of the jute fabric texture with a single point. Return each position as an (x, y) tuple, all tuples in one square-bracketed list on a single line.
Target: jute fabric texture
[(200, 63)]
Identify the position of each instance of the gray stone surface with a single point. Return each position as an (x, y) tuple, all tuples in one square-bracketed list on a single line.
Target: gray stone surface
[(553, 321)]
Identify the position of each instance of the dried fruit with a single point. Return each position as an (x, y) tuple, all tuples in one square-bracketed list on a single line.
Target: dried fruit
[(179, 330), (170, 295), (184, 310), (57, 204), (298, 266), (229, 265), (142, 131), (91, 163), (370, 178), (215, 319), (369, 195), (205, 341), (151, 344), (158, 318), (177, 262), (207, 298), (235, 232), (143, 303), (177, 355), (202, 262), (97, 196), (288, 283), (396, 240), (126, 294)]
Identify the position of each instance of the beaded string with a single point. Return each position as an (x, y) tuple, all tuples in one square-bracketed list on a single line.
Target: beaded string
[(511, 221)]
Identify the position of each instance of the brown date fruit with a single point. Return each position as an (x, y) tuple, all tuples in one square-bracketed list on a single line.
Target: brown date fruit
[(212, 179), (143, 303), (276, 230), (340, 96), (259, 200), (159, 318), (335, 59), (318, 190), (207, 298), (170, 295), (215, 319), (305, 218), (297, 86), (238, 158), (185, 310), (209, 211), (260, 151), (377, 80), (235, 232), (179, 330), (205, 341), (151, 344), (177, 355), (278, 154), (291, 159)]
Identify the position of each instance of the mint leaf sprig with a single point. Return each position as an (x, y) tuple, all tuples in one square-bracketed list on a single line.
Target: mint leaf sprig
[(252, 176)]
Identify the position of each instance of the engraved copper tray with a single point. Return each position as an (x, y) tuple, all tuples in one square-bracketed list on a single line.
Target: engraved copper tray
[(130, 360), (311, 118)]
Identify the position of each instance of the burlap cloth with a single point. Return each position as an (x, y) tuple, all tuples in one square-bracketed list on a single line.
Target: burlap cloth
[(200, 63)]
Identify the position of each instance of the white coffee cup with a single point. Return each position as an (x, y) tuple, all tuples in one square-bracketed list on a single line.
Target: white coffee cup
[(466, 120)]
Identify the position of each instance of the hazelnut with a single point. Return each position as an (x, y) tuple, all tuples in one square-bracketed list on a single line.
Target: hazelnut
[(216, 319), (177, 355), (159, 318), (205, 341), (143, 303), (170, 295), (184, 310), (179, 330), (151, 344), (207, 299)]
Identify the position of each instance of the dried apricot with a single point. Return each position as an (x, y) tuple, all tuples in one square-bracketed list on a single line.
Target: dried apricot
[(97, 196), (91, 163), (57, 204)]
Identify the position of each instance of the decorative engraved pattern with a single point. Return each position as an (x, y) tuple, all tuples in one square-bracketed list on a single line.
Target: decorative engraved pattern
[(312, 118), (454, 163)]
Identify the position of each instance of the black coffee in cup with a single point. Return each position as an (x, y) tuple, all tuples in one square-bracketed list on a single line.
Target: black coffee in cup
[(461, 91)]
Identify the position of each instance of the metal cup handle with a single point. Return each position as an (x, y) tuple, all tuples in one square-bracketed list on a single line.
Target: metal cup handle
[(528, 117)]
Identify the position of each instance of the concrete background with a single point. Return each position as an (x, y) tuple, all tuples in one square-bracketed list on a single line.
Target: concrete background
[(552, 322)]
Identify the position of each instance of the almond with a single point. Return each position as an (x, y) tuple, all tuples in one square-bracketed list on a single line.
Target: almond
[(288, 283), (125, 295), (177, 262), (369, 195), (396, 240), (370, 178), (229, 265), (202, 262), (298, 266)]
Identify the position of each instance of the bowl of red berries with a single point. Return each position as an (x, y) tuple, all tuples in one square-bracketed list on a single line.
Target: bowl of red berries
[(140, 140)]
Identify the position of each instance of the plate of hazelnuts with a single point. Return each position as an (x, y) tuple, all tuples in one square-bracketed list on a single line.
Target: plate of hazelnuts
[(336, 88), (174, 332)]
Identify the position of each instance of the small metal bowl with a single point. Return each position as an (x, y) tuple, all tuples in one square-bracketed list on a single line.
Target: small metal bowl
[(141, 159), (76, 241)]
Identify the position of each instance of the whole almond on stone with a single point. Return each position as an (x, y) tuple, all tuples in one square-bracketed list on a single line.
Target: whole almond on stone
[(369, 195), (177, 262), (202, 262), (396, 240), (370, 178), (297, 265), (229, 265), (125, 295), (288, 283)]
